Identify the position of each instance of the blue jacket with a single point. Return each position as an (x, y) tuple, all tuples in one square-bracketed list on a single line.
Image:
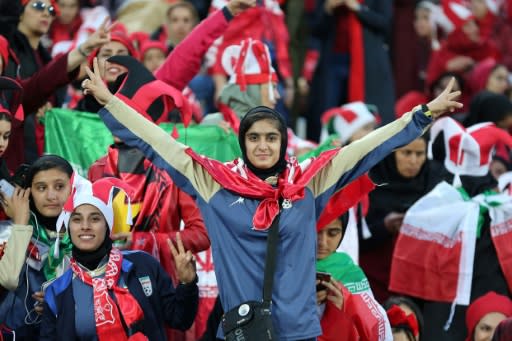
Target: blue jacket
[(165, 305), (239, 250)]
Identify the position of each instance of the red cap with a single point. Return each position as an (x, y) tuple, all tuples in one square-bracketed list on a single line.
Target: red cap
[(152, 44), (409, 101), (489, 303), (138, 38), (122, 38)]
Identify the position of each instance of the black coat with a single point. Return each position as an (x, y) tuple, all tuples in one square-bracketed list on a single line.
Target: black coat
[(376, 19)]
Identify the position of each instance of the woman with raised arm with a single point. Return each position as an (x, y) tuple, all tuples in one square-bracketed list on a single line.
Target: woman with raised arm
[(240, 199)]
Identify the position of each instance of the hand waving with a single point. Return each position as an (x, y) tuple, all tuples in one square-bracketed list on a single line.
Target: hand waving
[(95, 86), (184, 261), (445, 101), (98, 38)]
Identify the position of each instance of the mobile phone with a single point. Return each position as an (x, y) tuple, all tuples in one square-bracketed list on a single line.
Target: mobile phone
[(46, 284), (6, 188), (322, 276)]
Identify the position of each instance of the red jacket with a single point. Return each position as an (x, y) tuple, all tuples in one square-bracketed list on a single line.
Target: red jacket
[(458, 44), (359, 319), (184, 62), (62, 32)]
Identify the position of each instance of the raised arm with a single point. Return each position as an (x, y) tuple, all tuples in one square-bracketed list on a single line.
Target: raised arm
[(184, 62), (80, 53), (358, 157), (156, 145)]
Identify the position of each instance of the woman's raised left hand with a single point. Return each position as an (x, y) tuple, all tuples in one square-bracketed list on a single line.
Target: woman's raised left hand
[(445, 102)]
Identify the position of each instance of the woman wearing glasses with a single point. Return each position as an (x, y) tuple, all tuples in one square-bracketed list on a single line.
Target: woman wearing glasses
[(31, 64), (34, 22)]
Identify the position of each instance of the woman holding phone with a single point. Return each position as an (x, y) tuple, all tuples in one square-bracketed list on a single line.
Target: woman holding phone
[(11, 260), (345, 301), (47, 256)]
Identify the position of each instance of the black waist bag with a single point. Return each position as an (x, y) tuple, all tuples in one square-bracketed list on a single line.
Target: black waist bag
[(250, 321)]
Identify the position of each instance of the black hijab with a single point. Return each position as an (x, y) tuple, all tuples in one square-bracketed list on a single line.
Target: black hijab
[(257, 114), (487, 106), (398, 193)]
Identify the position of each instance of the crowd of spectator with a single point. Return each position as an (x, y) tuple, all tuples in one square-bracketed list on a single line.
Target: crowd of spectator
[(374, 135)]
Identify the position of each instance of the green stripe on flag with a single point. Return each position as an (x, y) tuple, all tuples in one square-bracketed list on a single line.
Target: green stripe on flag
[(343, 269), (82, 138)]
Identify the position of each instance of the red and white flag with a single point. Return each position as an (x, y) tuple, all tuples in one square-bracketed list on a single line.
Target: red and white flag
[(434, 253)]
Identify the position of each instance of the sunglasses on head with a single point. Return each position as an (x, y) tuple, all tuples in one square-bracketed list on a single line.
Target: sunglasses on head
[(41, 6)]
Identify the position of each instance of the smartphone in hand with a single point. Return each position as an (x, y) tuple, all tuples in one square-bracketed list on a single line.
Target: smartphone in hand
[(6, 188), (322, 276)]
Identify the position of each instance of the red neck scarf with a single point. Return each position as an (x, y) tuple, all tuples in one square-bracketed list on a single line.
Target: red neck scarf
[(236, 177), (107, 313)]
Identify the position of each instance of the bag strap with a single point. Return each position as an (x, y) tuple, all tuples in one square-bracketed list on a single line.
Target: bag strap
[(270, 258)]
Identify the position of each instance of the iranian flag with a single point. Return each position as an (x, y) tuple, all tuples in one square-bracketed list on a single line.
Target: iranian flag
[(435, 250), (361, 317), (82, 138)]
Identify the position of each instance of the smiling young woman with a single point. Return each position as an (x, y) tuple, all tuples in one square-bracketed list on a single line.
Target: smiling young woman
[(110, 295), (238, 232)]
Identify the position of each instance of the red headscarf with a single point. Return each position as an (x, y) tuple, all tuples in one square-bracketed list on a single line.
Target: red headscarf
[(480, 74), (122, 38), (408, 101), (15, 109), (151, 44), (489, 303)]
